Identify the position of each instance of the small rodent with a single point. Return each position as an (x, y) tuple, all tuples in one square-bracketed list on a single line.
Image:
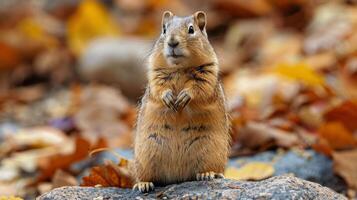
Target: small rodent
[(182, 130)]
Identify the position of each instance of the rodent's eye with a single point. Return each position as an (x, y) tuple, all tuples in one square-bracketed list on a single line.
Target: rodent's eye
[(164, 29), (190, 30)]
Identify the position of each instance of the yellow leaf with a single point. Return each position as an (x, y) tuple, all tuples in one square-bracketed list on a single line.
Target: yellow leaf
[(10, 198), (35, 31), (250, 171), (90, 21), (299, 72)]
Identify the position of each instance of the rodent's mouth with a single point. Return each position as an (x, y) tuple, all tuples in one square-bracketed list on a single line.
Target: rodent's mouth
[(174, 53)]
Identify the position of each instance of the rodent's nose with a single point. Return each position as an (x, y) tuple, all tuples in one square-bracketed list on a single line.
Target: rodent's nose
[(173, 43)]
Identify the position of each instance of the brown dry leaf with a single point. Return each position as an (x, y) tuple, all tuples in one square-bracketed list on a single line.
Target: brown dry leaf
[(243, 8), (322, 61), (28, 94), (337, 136), (37, 137), (109, 175), (322, 146), (251, 171), (62, 178), (330, 26), (345, 163), (258, 134), (279, 47), (347, 74), (50, 165), (99, 115), (9, 56), (346, 113)]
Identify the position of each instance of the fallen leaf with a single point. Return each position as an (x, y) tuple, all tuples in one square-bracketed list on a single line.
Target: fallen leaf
[(278, 48), (322, 61), (256, 134), (62, 178), (299, 72), (10, 198), (345, 163), (28, 94), (347, 75), (36, 137), (35, 31), (90, 21), (50, 165), (345, 113), (105, 113), (322, 146), (109, 175), (243, 8), (9, 56), (250, 171), (337, 136), (44, 187)]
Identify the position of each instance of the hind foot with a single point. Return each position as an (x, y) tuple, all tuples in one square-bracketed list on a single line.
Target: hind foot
[(207, 176), (144, 187)]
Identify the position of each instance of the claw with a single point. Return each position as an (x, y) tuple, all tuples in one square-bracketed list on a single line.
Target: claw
[(211, 176), (219, 175), (169, 100), (182, 100), (208, 176), (144, 187), (135, 187)]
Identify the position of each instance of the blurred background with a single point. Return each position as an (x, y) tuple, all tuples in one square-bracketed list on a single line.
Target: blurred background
[(72, 73)]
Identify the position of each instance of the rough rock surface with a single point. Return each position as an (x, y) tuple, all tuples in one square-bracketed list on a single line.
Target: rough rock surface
[(279, 187), (308, 165)]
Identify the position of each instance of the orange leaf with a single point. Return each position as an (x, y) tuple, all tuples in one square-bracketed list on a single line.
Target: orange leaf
[(9, 56), (337, 136), (109, 175), (322, 146), (49, 166), (346, 113)]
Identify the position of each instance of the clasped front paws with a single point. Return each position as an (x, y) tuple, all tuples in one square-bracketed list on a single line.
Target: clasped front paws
[(183, 98), (176, 103), (169, 100)]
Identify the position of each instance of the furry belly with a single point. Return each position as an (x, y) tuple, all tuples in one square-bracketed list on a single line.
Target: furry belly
[(174, 147), (175, 159)]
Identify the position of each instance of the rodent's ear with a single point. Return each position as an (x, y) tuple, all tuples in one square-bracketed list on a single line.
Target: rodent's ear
[(200, 18), (166, 16)]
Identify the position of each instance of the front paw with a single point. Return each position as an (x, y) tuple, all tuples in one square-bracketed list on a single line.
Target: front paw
[(169, 100), (144, 187), (183, 98)]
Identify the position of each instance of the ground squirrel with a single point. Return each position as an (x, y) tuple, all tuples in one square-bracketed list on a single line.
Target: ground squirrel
[(182, 131)]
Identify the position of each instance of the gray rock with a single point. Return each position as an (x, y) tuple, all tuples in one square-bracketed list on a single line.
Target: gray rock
[(120, 62), (313, 166), (279, 187)]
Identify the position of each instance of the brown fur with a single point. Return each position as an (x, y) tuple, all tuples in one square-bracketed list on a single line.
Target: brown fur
[(173, 146)]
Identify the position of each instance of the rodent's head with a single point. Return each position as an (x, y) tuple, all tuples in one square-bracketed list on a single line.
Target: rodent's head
[(183, 40)]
